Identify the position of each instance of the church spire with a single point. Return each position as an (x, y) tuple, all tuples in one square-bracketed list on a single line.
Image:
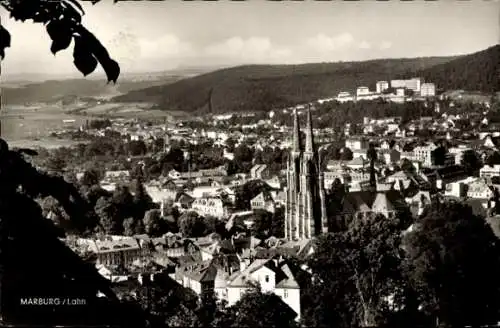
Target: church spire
[(296, 133), (309, 132)]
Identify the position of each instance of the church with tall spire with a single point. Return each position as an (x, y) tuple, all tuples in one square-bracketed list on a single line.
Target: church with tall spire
[(305, 206)]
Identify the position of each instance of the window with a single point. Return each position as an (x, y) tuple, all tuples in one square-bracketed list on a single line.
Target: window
[(285, 293), (267, 278)]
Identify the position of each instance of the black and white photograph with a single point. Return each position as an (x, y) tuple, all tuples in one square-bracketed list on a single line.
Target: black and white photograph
[(249, 163)]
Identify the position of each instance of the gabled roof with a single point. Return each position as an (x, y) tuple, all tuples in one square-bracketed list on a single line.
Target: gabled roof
[(199, 271), (288, 280), (358, 161), (184, 198), (241, 279), (360, 201), (382, 203), (298, 248), (264, 196)]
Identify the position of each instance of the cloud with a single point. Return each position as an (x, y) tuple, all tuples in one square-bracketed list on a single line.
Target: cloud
[(325, 43), (364, 45), (385, 45), (167, 46), (253, 49)]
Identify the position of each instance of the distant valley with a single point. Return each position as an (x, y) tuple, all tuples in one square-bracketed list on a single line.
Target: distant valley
[(34, 88)]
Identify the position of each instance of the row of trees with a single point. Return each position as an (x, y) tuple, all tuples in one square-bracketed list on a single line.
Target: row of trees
[(372, 274)]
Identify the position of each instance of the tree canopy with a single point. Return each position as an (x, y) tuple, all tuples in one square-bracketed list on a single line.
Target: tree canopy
[(356, 272), (452, 262)]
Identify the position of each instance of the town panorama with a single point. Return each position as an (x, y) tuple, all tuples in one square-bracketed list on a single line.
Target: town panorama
[(202, 176)]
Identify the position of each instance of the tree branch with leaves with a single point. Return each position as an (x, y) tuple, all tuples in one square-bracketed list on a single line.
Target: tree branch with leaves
[(63, 22)]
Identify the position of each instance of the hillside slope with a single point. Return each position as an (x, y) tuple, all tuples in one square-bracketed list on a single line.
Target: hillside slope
[(262, 87), (479, 71), (47, 91)]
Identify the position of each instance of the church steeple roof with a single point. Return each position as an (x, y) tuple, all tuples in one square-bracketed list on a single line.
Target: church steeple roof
[(296, 133), (309, 132)]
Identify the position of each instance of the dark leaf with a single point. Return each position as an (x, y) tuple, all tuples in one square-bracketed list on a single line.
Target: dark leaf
[(70, 13), (59, 29), (84, 61), (112, 70), (23, 10), (4, 41), (60, 44), (111, 67), (76, 4)]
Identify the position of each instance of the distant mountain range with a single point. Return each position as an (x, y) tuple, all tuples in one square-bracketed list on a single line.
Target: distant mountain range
[(263, 87), (30, 88)]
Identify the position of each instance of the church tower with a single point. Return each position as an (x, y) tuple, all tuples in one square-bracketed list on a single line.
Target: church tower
[(305, 209)]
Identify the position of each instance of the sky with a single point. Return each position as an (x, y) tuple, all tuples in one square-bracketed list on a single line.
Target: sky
[(148, 36)]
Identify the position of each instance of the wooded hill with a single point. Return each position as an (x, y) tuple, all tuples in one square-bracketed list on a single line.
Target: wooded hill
[(263, 87)]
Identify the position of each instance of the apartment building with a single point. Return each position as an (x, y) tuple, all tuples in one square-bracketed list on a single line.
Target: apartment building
[(428, 90)]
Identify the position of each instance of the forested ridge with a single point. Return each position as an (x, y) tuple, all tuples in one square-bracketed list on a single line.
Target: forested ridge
[(264, 87)]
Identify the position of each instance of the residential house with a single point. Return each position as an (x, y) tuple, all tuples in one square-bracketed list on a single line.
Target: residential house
[(418, 202), (459, 188), (440, 177), (491, 142), (408, 183), (334, 165), (236, 220), (205, 191), (205, 173), (111, 273), (197, 276), (210, 206), (302, 249), (263, 201), (356, 143), (359, 153), (385, 145), (183, 200), (357, 177), (159, 193), (116, 252), (116, 176), (357, 163), (479, 189), (259, 171), (330, 176), (424, 154), (272, 276), (274, 182), (458, 153), (389, 156), (174, 174), (490, 171)]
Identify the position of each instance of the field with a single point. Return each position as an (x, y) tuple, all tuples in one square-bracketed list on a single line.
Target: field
[(24, 126), (24, 123), (47, 143)]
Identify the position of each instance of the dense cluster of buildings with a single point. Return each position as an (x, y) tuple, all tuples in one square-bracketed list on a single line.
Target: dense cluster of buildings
[(394, 91), (406, 173)]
